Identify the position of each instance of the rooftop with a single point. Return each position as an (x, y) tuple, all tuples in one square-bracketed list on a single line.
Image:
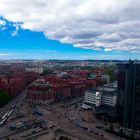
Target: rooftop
[(108, 88)]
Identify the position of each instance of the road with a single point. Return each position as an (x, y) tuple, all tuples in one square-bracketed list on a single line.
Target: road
[(16, 101), (66, 125), (58, 116)]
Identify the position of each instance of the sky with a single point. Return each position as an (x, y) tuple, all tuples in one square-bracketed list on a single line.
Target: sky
[(69, 29)]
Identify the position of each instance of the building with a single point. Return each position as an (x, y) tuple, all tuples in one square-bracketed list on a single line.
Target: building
[(61, 88), (39, 92), (102, 96), (44, 92), (61, 91), (13, 85), (103, 101), (36, 70), (129, 84), (105, 78), (78, 73)]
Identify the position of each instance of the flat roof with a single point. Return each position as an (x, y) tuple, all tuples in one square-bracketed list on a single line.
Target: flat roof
[(102, 89)]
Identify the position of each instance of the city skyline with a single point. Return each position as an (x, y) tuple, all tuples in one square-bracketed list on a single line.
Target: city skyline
[(45, 30)]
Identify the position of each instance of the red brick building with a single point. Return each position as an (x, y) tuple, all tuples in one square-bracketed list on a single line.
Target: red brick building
[(13, 85), (40, 92), (57, 89)]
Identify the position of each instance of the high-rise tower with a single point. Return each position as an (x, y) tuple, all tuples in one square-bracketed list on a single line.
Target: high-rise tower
[(129, 84)]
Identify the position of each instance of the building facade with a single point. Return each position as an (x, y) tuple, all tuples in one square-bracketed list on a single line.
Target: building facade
[(129, 84), (101, 96), (13, 85), (35, 70)]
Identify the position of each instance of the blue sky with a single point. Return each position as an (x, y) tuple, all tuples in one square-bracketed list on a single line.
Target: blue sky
[(27, 44), (53, 29)]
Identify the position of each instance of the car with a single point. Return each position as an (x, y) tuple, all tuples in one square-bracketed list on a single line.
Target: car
[(34, 131), (53, 126), (96, 133), (11, 139), (22, 135), (102, 135), (92, 131), (85, 128), (13, 106), (74, 131)]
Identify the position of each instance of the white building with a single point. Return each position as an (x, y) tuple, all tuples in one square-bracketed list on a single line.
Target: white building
[(106, 96), (36, 70)]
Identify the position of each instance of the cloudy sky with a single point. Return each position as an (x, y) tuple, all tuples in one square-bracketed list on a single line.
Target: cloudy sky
[(69, 29)]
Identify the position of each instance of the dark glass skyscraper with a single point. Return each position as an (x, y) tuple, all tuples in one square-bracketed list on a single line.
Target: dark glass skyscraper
[(129, 84)]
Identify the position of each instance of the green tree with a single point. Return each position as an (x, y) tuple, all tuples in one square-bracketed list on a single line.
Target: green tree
[(47, 71), (58, 96), (4, 98), (110, 72), (111, 127), (132, 136), (121, 131)]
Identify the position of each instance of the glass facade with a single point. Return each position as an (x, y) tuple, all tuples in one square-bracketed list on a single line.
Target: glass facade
[(129, 84)]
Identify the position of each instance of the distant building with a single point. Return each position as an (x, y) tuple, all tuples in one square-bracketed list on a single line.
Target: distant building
[(105, 78), (36, 70), (78, 73), (129, 84), (63, 75)]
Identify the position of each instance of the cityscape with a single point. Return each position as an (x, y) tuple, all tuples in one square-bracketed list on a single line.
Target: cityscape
[(69, 70)]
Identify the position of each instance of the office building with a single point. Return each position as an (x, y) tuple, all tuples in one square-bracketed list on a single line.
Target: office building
[(102, 96), (129, 84), (35, 70)]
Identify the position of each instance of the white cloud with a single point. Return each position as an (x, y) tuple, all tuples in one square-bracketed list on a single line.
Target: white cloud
[(3, 54), (2, 23), (3, 28), (15, 32), (92, 24)]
